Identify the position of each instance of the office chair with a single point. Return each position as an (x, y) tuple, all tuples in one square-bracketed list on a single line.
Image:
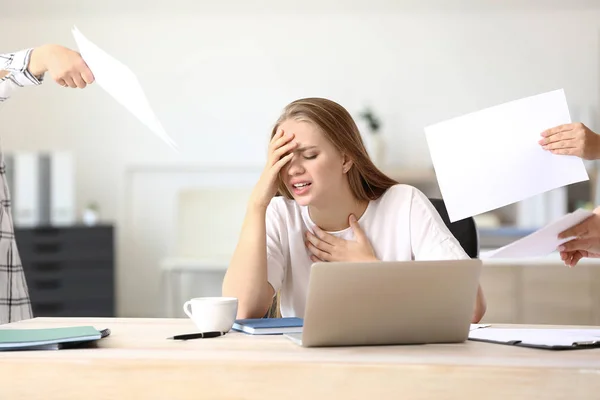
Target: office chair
[(465, 230)]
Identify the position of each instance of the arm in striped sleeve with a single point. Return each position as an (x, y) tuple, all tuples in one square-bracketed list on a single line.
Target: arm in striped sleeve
[(14, 72)]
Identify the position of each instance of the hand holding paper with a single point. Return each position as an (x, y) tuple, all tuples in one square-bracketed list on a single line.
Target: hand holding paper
[(65, 66), (492, 158), (543, 241), (572, 139), (121, 83), (586, 242)]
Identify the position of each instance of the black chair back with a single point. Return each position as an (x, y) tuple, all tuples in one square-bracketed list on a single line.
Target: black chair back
[(465, 230)]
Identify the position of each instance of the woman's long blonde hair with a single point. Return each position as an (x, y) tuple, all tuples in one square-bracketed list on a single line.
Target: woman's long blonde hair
[(366, 181)]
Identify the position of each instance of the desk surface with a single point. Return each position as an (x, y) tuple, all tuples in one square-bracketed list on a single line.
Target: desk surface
[(137, 361)]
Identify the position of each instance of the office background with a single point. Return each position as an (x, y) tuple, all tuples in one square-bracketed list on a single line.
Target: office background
[(218, 74)]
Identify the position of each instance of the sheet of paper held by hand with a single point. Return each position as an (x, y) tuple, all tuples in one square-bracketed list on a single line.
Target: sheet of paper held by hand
[(541, 242), (121, 83), (491, 158)]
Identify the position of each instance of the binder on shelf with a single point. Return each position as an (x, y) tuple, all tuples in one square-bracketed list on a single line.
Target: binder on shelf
[(42, 187), (62, 189), (26, 189)]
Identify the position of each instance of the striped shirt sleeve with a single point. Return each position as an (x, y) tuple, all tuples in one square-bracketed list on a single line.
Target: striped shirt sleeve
[(18, 74)]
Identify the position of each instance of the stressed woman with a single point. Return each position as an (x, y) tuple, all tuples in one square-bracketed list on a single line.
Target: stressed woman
[(335, 205)]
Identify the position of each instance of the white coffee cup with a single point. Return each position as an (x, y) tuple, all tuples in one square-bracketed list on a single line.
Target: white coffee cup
[(212, 314)]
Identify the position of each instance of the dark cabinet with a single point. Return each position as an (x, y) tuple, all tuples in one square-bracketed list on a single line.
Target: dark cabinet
[(69, 270)]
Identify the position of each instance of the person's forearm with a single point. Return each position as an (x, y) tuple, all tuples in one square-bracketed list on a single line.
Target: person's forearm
[(480, 306), (14, 73), (246, 277), (38, 62)]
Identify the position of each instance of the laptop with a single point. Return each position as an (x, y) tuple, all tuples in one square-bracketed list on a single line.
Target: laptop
[(391, 302)]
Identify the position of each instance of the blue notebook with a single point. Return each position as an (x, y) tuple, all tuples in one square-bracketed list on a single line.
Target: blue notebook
[(269, 326)]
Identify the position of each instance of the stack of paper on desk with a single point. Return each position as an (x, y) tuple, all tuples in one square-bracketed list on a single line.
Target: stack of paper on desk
[(541, 242), (552, 338), (492, 158)]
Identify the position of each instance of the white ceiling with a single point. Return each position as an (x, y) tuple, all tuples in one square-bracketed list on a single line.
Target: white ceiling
[(61, 7)]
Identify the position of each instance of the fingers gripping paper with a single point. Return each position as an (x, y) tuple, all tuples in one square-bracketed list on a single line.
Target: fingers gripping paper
[(121, 83), (492, 158), (541, 242)]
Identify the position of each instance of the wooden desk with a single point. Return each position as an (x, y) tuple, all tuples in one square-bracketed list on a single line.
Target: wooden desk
[(137, 362)]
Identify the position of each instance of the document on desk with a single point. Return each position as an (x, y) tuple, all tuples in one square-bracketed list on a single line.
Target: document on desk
[(491, 158), (478, 326), (548, 338), (121, 83), (541, 242)]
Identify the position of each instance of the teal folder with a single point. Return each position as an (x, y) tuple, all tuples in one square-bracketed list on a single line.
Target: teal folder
[(52, 338)]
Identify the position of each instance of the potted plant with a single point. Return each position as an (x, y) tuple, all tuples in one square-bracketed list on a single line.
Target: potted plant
[(91, 214), (371, 119), (373, 138)]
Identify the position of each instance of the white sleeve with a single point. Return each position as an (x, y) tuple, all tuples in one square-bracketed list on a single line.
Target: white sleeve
[(16, 64), (275, 224), (430, 237)]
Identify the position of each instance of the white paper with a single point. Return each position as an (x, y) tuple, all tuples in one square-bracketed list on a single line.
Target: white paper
[(492, 158), (548, 337), (121, 83), (478, 326), (541, 242)]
